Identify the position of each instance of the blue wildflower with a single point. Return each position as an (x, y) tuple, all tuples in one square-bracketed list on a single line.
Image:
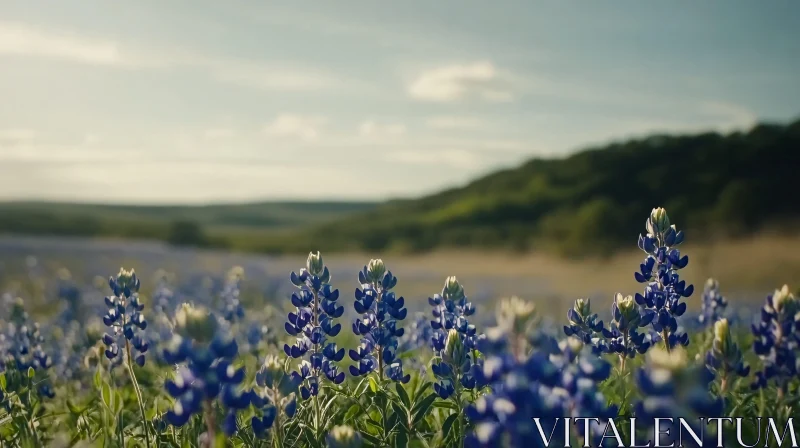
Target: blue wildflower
[(312, 323), (544, 386), (725, 357), (452, 331), (125, 319), (714, 304), (664, 289), (206, 352), (671, 388), (585, 325), (232, 309), (622, 336), (274, 398), (777, 340), (380, 310)]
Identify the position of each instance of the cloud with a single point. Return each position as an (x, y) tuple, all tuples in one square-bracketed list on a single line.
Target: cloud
[(455, 158), (371, 128), (453, 122), (304, 127), (17, 39), (454, 82), (23, 40)]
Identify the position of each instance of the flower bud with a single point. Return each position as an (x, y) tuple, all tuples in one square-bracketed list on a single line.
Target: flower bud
[(628, 309), (375, 270), (675, 360), (126, 278), (196, 323), (784, 301), (583, 307), (454, 349), (722, 335), (236, 273), (515, 314), (314, 264), (344, 437), (658, 222), (452, 289)]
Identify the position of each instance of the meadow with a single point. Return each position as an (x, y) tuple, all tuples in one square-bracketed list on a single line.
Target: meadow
[(189, 347)]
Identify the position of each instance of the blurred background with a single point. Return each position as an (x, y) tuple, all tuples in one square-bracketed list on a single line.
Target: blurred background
[(520, 147)]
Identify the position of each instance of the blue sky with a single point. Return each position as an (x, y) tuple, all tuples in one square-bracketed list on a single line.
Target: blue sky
[(208, 101)]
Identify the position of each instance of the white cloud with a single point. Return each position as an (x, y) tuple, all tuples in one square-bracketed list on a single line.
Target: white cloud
[(24, 40), (371, 128), (304, 127), (17, 39), (453, 122), (455, 82), (455, 158)]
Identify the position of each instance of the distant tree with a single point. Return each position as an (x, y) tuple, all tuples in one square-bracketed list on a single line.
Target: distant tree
[(186, 233)]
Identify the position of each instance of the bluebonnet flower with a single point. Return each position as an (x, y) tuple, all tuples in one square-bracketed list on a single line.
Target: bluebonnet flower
[(659, 270), (22, 347), (232, 309), (545, 386), (125, 319), (455, 341), (274, 398), (622, 335), (206, 352), (714, 304), (380, 310), (343, 437), (585, 325), (312, 323), (725, 357), (673, 388), (777, 340)]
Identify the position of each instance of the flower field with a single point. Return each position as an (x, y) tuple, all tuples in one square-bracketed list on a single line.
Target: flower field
[(186, 357)]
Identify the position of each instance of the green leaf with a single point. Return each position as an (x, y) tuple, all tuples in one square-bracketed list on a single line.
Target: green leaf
[(421, 408), (118, 402), (374, 441), (98, 379), (373, 385), (402, 414), (107, 396), (448, 425), (445, 404), (73, 408), (3, 383), (352, 412), (401, 440), (403, 395)]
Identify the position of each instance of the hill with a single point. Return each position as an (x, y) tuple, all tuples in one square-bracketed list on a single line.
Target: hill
[(207, 225), (716, 185)]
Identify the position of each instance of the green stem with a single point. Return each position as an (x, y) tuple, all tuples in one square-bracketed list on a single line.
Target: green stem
[(211, 426), (461, 423), (138, 393), (665, 337)]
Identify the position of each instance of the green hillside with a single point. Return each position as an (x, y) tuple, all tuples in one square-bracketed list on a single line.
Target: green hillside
[(216, 224), (716, 185)]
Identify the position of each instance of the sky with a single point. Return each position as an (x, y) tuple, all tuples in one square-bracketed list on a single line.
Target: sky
[(206, 101)]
